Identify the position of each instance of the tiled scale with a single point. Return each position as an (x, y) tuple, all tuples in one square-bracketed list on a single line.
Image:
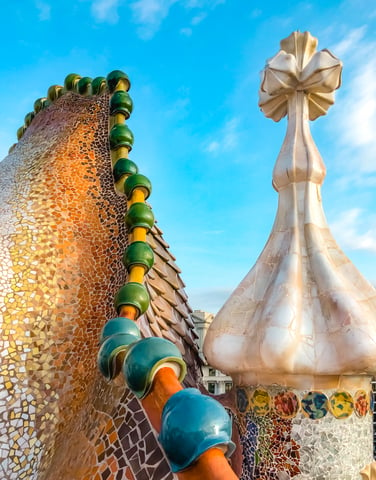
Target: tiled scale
[(62, 237)]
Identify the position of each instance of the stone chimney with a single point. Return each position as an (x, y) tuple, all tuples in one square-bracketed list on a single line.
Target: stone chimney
[(298, 335)]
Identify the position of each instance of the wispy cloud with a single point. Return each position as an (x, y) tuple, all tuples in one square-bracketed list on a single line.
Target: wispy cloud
[(355, 229), (359, 122), (44, 10), (353, 38), (354, 118), (105, 10), (198, 18), (213, 146), (257, 12), (226, 139), (180, 108), (213, 232), (149, 14), (186, 31)]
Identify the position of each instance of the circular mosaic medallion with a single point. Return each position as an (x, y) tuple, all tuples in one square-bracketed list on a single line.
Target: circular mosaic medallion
[(315, 405), (341, 404), (260, 402), (242, 400), (286, 404), (361, 403)]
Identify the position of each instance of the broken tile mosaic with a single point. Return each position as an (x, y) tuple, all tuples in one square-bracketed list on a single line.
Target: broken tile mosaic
[(62, 237)]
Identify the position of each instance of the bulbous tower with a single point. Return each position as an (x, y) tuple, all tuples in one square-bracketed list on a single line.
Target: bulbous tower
[(298, 335)]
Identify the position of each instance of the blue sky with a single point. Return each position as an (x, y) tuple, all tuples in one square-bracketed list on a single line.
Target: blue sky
[(199, 134)]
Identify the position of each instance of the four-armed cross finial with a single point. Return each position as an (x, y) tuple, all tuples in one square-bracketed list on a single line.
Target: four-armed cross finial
[(298, 67)]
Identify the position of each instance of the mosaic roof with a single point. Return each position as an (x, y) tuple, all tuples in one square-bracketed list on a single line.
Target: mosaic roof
[(62, 237)]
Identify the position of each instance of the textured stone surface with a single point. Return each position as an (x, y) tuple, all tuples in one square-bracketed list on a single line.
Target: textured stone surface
[(62, 237), (304, 311), (303, 318)]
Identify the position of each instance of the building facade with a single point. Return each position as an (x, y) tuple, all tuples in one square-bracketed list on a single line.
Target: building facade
[(214, 380)]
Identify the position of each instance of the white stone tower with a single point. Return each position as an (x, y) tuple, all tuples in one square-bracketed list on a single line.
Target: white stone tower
[(298, 335)]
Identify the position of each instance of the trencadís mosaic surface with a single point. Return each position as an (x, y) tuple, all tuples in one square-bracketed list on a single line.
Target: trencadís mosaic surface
[(283, 432), (62, 238)]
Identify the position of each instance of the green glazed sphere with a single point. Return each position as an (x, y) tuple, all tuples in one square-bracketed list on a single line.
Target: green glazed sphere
[(191, 424), (20, 132), (124, 166), (143, 359), (121, 136), (139, 215), (121, 102), (84, 86), (137, 181), (98, 85), (46, 103), (133, 294), (71, 81), (113, 79), (54, 92), (111, 354), (29, 118), (120, 325), (138, 253), (39, 104)]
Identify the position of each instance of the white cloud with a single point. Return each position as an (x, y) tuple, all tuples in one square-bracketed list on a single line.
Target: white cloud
[(256, 13), (198, 18), (226, 139), (186, 31), (354, 117), (360, 121), (44, 10), (179, 109), (105, 10), (213, 146), (213, 232), (353, 38), (356, 180), (351, 232), (149, 14), (202, 3)]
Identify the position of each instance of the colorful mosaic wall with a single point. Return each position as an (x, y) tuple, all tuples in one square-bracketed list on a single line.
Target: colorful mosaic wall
[(62, 237), (285, 432)]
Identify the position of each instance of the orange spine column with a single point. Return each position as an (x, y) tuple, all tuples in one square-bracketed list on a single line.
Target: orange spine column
[(195, 430)]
